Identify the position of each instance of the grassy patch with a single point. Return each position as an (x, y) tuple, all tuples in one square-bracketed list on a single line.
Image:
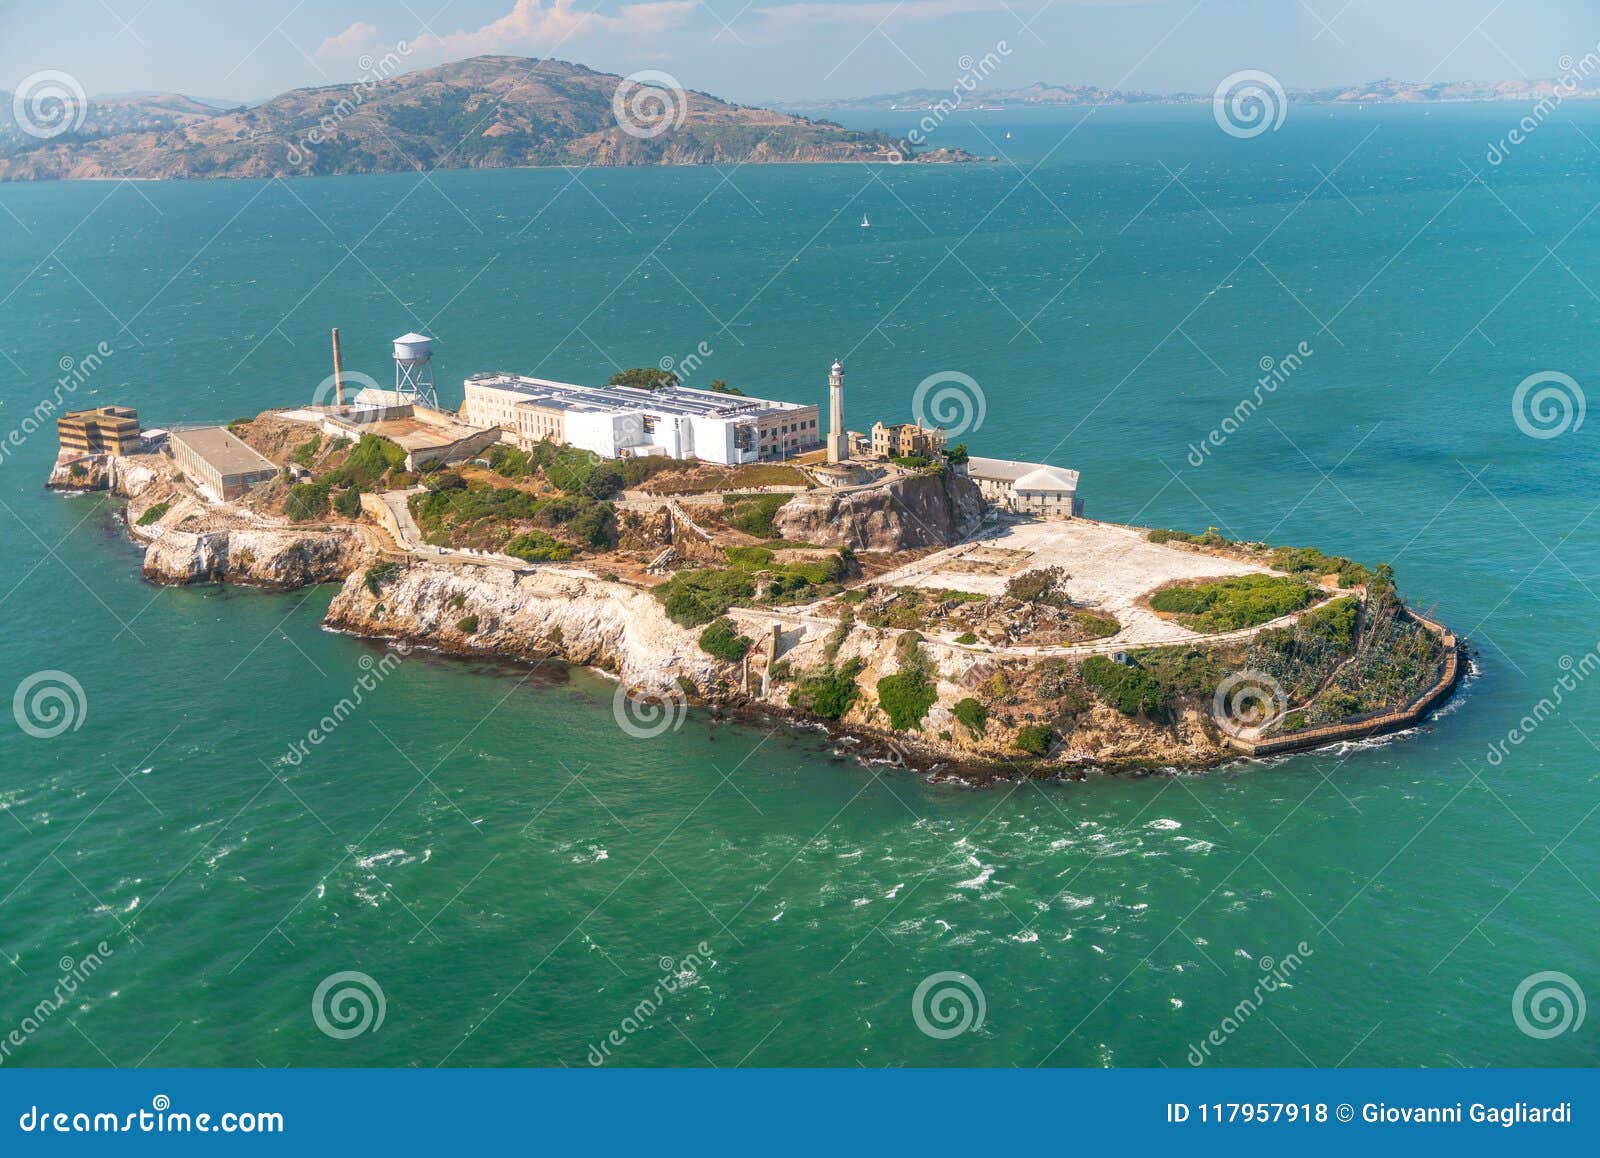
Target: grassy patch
[(1131, 690), (537, 547), (153, 513), (829, 691), (306, 451), (695, 597), (753, 514), (721, 640), (306, 501), (1231, 604), (467, 625)]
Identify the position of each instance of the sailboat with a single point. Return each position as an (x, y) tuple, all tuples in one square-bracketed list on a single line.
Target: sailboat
[(865, 224), (1008, 136)]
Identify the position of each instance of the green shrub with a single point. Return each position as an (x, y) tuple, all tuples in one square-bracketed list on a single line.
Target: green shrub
[(828, 691), (379, 574), (467, 625), (444, 480), (368, 461), (966, 637), (537, 547), (750, 558), (153, 513), (697, 597), (348, 502), (644, 378), (906, 697), (1045, 585), (1034, 739), (306, 451), (1131, 690), (972, 714), (306, 501), (1231, 604), (721, 639), (1096, 625), (753, 514)]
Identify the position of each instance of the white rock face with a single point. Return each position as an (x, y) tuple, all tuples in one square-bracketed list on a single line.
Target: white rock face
[(545, 611)]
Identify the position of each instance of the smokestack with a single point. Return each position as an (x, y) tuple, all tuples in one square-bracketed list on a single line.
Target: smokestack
[(338, 371)]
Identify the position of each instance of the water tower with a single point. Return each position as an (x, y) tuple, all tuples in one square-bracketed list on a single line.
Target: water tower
[(413, 369)]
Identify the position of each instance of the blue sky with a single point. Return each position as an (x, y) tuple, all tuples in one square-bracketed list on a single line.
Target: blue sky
[(756, 50)]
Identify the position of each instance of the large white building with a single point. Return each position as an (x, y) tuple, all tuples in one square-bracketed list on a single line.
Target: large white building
[(621, 421), (1026, 487)]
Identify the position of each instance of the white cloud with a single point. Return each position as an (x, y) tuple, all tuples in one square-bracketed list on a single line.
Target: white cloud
[(532, 27)]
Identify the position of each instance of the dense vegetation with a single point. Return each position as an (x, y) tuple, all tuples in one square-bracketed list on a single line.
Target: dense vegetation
[(972, 715), (1131, 690), (753, 514), (1232, 604), (721, 640), (907, 695), (451, 511), (644, 378), (829, 691), (1306, 561), (1034, 739), (153, 513), (692, 598)]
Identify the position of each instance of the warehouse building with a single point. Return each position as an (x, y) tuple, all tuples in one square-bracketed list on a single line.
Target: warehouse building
[(219, 462), (621, 421)]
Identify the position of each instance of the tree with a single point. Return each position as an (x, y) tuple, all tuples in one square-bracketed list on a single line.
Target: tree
[(644, 378), (720, 386)]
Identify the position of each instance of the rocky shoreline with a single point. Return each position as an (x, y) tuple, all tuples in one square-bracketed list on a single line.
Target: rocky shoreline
[(499, 609)]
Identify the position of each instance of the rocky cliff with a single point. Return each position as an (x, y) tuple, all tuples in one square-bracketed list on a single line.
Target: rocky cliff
[(916, 511)]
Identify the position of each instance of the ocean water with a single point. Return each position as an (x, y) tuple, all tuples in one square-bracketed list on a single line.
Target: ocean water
[(528, 885)]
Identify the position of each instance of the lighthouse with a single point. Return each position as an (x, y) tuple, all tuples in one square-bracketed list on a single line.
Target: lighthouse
[(838, 448)]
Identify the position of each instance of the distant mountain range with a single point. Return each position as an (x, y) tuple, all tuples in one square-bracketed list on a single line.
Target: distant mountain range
[(486, 112), (1043, 95)]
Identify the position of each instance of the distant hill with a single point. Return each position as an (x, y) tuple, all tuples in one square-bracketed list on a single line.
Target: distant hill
[(1043, 95), (486, 112)]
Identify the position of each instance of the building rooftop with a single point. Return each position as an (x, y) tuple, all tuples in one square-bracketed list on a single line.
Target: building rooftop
[(1026, 476), (681, 401), (223, 449)]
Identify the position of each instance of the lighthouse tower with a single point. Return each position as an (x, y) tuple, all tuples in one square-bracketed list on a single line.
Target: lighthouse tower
[(838, 448)]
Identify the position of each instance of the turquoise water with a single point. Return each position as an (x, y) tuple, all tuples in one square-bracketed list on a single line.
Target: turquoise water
[(511, 869)]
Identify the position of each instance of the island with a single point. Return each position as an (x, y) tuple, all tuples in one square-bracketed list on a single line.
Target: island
[(927, 605)]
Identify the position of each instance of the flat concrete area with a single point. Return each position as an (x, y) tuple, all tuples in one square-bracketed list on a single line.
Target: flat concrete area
[(1111, 567)]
